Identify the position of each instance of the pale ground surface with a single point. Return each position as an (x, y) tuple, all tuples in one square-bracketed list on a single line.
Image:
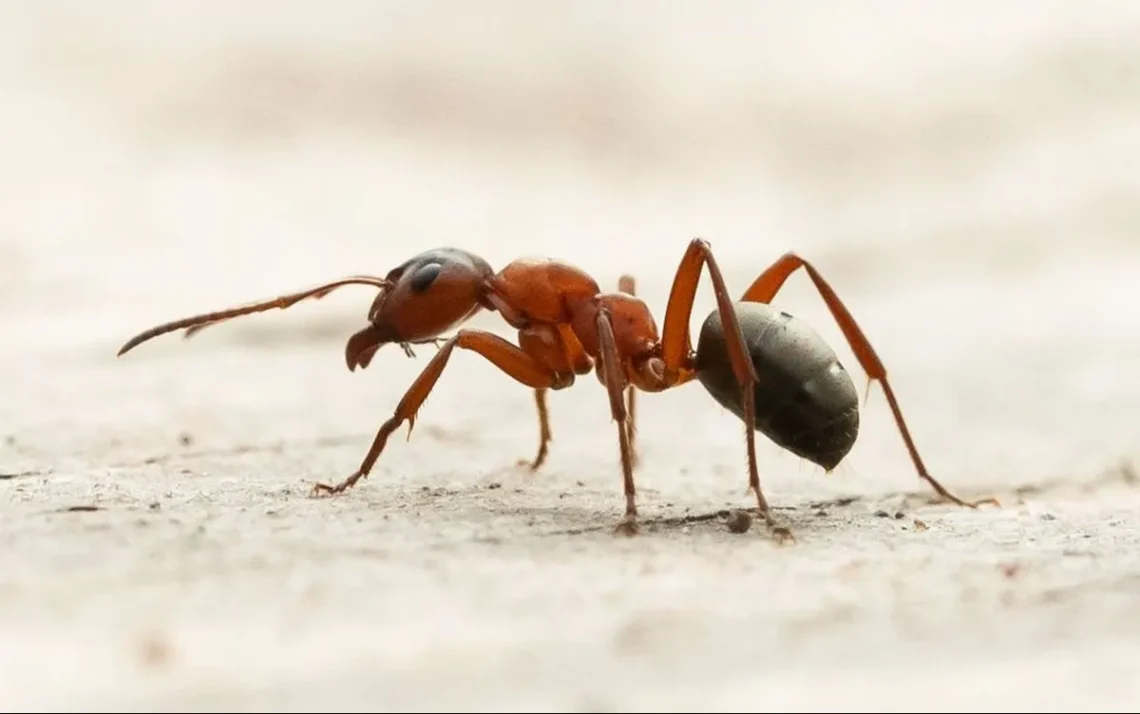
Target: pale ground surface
[(965, 175)]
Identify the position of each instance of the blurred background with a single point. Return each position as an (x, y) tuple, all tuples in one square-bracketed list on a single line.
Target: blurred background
[(964, 174)]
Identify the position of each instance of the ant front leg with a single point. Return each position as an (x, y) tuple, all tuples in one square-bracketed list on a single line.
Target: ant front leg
[(764, 289), (677, 350), (507, 357), (614, 377)]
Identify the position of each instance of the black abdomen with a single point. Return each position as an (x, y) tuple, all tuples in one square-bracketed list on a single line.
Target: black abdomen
[(806, 401)]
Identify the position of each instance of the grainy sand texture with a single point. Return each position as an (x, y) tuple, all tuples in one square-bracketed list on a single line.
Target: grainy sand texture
[(965, 174)]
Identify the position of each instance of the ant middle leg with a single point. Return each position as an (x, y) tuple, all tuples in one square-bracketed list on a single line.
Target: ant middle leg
[(764, 289), (557, 347), (544, 435), (611, 370), (627, 284), (509, 358)]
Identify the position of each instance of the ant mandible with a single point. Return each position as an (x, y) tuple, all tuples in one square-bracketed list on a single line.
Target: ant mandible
[(768, 368)]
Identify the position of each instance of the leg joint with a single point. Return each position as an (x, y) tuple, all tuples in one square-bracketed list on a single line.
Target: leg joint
[(562, 380)]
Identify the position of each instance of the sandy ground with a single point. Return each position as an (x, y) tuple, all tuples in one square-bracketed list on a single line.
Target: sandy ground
[(969, 187)]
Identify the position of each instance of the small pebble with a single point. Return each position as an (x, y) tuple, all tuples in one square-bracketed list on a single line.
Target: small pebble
[(739, 522)]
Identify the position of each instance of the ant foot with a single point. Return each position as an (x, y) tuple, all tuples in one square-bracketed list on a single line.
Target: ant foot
[(986, 501), (781, 534), (946, 495), (628, 527), (533, 465), (970, 504), (323, 489)]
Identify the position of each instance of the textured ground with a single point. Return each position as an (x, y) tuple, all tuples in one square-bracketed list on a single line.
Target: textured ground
[(969, 187)]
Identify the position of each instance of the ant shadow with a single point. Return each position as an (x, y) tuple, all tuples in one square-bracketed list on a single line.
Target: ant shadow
[(548, 520), (739, 521)]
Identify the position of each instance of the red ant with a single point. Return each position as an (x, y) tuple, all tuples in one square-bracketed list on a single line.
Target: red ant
[(765, 366)]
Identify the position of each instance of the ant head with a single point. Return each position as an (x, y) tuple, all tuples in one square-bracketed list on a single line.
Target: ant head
[(428, 295)]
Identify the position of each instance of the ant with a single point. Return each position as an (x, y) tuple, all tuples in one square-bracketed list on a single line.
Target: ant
[(769, 369)]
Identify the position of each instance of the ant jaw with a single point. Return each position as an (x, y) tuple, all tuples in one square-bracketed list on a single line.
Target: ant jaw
[(362, 346), (366, 357)]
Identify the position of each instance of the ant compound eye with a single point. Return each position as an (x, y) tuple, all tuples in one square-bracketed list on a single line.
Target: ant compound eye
[(424, 276)]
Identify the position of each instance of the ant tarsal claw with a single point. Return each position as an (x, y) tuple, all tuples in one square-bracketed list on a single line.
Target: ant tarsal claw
[(781, 535)]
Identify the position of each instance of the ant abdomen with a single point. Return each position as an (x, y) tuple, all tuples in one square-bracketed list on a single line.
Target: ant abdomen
[(805, 401)]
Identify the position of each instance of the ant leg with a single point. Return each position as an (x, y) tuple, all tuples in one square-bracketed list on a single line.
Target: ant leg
[(615, 380), (544, 435), (557, 347), (504, 355), (626, 284), (677, 350), (197, 323), (769, 283)]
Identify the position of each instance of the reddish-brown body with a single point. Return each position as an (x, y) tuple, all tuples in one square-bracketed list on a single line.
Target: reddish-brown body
[(567, 326)]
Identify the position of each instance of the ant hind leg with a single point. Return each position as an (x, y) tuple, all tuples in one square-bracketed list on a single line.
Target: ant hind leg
[(764, 289)]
